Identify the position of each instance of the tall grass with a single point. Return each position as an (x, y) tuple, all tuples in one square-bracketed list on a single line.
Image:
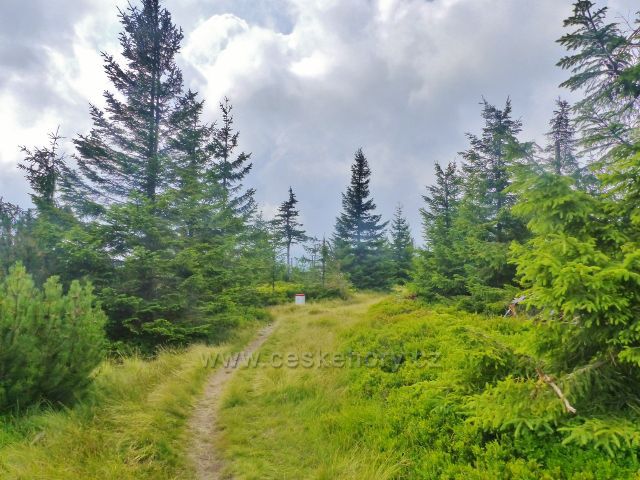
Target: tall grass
[(452, 396), (299, 423), (132, 425)]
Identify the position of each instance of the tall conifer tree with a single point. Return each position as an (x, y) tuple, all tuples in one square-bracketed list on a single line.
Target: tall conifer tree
[(401, 247), (440, 267), (126, 174), (197, 197), (561, 158), (359, 233), (487, 160), (126, 153), (43, 167), (441, 201), (561, 150), (603, 62), (485, 213), (288, 226), (232, 168)]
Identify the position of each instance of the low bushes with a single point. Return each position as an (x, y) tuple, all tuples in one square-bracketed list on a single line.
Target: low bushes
[(462, 399), (49, 342), (283, 292)]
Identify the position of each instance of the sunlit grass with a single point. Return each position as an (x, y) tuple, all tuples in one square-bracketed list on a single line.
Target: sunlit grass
[(295, 423), (132, 425)]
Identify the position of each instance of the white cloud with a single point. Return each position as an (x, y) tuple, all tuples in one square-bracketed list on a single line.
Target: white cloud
[(16, 134), (311, 81), (315, 65)]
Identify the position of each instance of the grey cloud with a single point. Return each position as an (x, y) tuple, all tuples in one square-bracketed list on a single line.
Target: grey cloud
[(13, 187), (403, 84), (28, 28)]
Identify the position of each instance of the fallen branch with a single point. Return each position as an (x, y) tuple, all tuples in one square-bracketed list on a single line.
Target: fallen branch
[(547, 379)]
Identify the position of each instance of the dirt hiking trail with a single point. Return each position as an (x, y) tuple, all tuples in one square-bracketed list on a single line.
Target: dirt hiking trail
[(203, 423)]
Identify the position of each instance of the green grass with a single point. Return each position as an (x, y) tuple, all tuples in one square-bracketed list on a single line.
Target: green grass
[(288, 423), (468, 406), (451, 396), (132, 425)]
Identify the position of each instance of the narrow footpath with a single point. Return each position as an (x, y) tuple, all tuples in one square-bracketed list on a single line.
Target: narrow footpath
[(203, 423)]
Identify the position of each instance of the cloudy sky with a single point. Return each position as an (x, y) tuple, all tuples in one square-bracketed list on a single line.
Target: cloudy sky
[(311, 81)]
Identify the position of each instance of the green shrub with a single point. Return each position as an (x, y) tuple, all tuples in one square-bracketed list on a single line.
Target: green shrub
[(284, 292), (49, 342), (484, 299), (462, 399)]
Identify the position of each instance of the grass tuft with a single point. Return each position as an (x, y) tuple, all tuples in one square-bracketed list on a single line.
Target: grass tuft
[(132, 425)]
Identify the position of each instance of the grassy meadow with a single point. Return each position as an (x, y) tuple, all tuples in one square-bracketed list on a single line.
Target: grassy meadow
[(131, 425), (445, 395), (374, 387)]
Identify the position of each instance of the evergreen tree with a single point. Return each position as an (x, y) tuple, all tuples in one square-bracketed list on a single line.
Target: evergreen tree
[(487, 161), (126, 153), (205, 255), (581, 266), (231, 171), (126, 173), (196, 194), (560, 151), (603, 63), (485, 220), (441, 203), (401, 247), (561, 158), (50, 343), (16, 240), (43, 167), (359, 236), (312, 251), (325, 251), (264, 257), (440, 267), (289, 228), (53, 242)]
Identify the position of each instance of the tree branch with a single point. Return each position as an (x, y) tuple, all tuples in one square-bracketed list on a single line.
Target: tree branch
[(547, 379)]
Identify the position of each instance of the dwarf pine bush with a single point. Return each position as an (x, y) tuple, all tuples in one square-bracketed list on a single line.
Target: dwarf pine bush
[(463, 399), (49, 342)]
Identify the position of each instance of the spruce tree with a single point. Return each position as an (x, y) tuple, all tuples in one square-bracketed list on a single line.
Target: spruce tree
[(126, 172), (440, 267), (231, 168), (312, 248), (581, 266), (264, 257), (126, 153), (325, 251), (485, 221), (441, 203), (57, 242), (560, 152), (43, 167), (401, 247), (196, 195), (487, 161), (603, 63), (195, 214), (16, 240), (359, 236), (561, 147), (288, 226)]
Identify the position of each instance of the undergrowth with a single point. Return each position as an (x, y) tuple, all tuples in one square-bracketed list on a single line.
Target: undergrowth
[(131, 425), (443, 394), (471, 405)]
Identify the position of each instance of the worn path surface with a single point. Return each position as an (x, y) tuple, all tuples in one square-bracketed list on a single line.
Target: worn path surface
[(203, 423)]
